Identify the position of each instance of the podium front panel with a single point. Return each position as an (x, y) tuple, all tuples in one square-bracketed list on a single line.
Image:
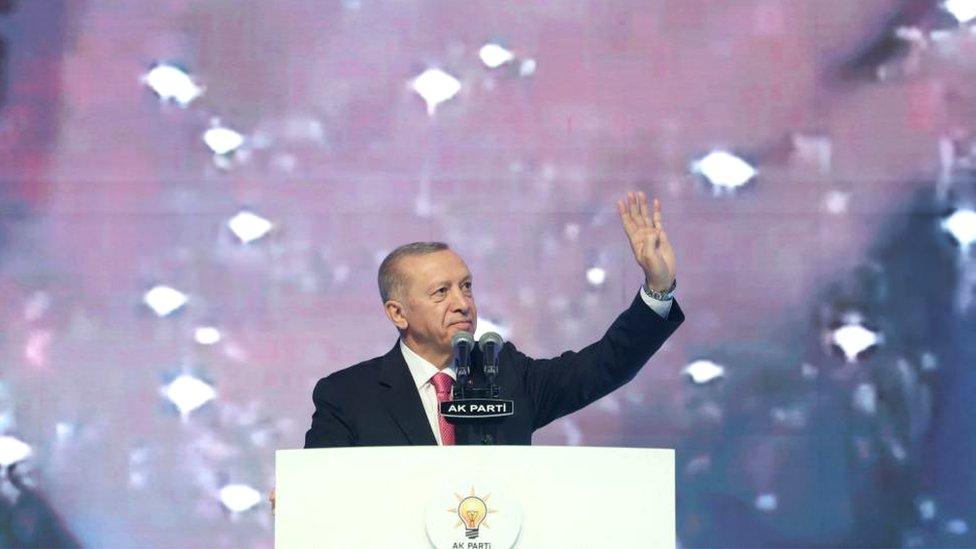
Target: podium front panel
[(511, 496)]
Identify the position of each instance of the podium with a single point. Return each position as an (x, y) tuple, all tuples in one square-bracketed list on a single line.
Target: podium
[(475, 497)]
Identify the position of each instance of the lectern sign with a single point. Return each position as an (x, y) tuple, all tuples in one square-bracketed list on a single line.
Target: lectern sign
[(473, 518), (477, 408)]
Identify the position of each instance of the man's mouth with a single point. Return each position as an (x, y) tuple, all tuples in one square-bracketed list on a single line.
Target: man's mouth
[(462, 323)]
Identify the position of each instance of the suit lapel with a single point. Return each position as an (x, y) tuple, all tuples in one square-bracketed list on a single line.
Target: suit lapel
[(402, 400)]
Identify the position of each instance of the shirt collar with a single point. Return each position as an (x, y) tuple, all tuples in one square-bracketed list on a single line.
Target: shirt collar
[(421, 370)]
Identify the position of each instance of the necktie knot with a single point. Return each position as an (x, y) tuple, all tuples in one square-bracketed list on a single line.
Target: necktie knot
[(442, 384)]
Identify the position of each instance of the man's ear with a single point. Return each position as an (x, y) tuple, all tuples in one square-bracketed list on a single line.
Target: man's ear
[(394, 311)]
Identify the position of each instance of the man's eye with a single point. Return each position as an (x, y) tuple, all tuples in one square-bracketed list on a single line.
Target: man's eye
[(441, 290)]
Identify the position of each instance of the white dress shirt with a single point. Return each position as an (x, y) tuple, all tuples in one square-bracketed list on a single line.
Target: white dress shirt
[(422, 370)]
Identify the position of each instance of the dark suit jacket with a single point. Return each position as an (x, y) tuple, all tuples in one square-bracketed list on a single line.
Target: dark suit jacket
[(376, 403)]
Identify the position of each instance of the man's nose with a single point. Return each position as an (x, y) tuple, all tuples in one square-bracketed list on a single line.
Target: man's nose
[(460, 302)]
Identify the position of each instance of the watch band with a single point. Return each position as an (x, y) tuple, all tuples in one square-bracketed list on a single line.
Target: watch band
[(662, 296)]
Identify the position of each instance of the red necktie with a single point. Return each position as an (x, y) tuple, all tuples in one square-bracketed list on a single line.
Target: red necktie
[(442, 384)]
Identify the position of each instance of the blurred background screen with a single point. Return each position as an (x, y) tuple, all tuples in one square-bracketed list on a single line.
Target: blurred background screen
[(195, 196)]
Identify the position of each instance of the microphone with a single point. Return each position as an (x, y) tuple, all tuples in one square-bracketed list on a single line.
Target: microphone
[(462, 343), (490, 345), (483, 407)]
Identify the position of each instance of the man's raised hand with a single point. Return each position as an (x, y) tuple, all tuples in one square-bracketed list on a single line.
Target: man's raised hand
[(648, 241)]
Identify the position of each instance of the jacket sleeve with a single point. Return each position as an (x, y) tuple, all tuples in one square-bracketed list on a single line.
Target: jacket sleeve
[(562, 385), (329, 428)]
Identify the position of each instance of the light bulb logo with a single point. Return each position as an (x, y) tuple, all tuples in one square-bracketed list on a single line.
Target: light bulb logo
[(472, 510)]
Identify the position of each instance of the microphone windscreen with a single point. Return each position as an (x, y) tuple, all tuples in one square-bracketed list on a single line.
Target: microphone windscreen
[(464, 337), (490, 337)]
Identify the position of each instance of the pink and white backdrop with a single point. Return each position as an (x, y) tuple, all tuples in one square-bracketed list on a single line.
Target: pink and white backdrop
[(815, 161)]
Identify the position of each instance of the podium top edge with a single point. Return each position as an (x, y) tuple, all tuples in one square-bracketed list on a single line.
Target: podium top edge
[(466, 449)]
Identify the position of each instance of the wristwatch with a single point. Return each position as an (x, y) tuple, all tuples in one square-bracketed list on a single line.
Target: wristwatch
[(662, 296)]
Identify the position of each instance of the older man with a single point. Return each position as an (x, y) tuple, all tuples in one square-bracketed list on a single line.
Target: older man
[(427, 293)]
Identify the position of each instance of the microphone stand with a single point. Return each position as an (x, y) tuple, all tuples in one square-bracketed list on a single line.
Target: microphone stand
[(462, 365), (489, 429)]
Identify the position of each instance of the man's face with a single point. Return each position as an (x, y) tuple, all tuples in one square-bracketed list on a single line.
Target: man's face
[(438, 299)]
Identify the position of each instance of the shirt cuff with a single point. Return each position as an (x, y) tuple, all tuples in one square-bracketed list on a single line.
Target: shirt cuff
[(662, 308)]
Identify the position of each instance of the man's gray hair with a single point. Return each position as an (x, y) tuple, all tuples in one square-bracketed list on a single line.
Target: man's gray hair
[(391, 280)]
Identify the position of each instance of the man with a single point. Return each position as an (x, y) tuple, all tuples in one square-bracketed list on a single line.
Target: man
[(427, 293)]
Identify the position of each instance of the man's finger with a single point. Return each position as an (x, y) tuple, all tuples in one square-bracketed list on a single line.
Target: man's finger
[(625, 217), (634, 209), (642, 204), (658, 224), (641, 218), (631, 223)]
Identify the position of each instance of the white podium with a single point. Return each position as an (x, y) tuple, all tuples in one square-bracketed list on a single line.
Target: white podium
[(475, 497)]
